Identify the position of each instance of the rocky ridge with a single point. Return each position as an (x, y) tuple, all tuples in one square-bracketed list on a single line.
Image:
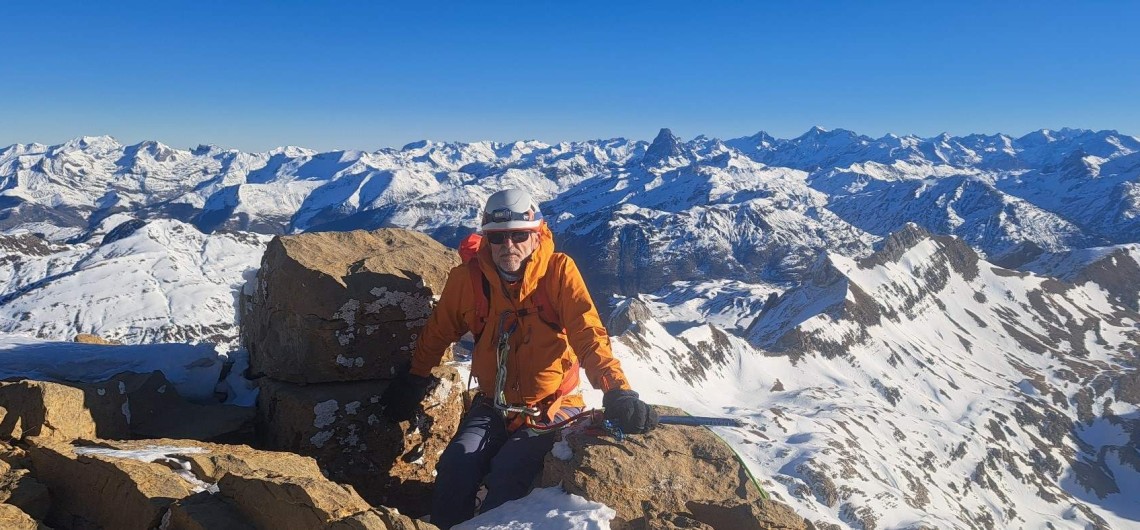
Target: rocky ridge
[(970, 382)]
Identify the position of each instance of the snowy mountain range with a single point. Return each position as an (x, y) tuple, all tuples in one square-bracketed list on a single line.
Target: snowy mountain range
[(925, 332), (921, 387)]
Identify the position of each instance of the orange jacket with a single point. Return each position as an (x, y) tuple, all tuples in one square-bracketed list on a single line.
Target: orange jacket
[(539, 356)]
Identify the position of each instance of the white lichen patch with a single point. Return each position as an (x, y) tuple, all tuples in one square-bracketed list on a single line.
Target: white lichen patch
[(352, 408), (350, 362), (324, 413), (101, 391), (345, 337), (127, 410), (122, 388), (412, 305), (373, 420), (319, 439), (347, 312), (368, 330), (351, 439)]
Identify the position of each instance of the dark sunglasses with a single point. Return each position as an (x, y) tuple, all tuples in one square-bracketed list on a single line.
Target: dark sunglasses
[(498, 238)]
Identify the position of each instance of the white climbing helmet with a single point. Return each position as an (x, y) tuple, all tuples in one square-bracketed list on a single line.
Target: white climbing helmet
[(511, 209)]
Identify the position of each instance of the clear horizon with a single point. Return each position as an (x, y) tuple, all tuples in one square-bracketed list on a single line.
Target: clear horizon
[(255, 76)]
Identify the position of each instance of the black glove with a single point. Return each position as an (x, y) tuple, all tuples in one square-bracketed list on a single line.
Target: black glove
[(630, 414), (403, 397)]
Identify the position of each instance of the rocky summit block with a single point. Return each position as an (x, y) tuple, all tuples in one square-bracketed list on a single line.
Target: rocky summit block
[(190, 485), (342, 425), (672, 477), (342, 306)]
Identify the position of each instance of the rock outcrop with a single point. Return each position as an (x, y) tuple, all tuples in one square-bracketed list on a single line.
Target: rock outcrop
[(129, 405), (87, 338), (22, 491), (671, 477), (13, 518), (38, 408), (332, 318), (342, 306), (185, 485), (108, 492), (342, 425)]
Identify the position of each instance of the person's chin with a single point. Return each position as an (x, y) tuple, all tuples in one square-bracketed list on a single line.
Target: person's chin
[(510, 267)]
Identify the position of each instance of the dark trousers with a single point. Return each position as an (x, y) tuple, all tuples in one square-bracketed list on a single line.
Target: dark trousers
[(483, 452)]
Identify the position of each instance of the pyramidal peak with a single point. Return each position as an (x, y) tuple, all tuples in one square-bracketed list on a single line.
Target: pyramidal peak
[(665, 148)]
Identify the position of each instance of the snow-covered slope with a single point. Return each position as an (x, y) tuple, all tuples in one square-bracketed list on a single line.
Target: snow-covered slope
[(921, 386), (132, 281)]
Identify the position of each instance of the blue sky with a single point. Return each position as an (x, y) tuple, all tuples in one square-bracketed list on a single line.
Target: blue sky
[(365, 75)]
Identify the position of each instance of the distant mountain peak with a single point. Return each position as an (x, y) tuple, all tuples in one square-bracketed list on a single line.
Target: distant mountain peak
[(663, 148), (902, 240), (103, 142)]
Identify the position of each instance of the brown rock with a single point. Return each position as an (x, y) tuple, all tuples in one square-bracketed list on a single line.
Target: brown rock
[(37, 408), (342, 306), (87, 338), (650, 479), (11, 456), (134, 405), (213, 461), (381, 518), (397, 521), (203, 511), (108, 492), (13, 518), (343, 427), (287, 503), (20, 489), (125, 406)]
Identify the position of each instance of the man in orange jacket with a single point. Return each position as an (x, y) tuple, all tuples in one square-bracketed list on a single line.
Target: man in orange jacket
[(523, 363)]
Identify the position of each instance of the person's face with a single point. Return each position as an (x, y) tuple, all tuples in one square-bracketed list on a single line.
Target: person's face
[(510, 248)]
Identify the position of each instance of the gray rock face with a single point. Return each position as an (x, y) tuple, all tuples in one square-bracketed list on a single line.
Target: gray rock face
[(671, 477), (342, 306)]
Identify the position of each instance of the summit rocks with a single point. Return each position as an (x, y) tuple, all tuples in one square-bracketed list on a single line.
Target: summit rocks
[(680, 476), (342, 306), (187, 485), (331, 320)]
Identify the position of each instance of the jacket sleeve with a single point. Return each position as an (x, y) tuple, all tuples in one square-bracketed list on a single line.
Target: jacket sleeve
[(584, 329), (444, 326)]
